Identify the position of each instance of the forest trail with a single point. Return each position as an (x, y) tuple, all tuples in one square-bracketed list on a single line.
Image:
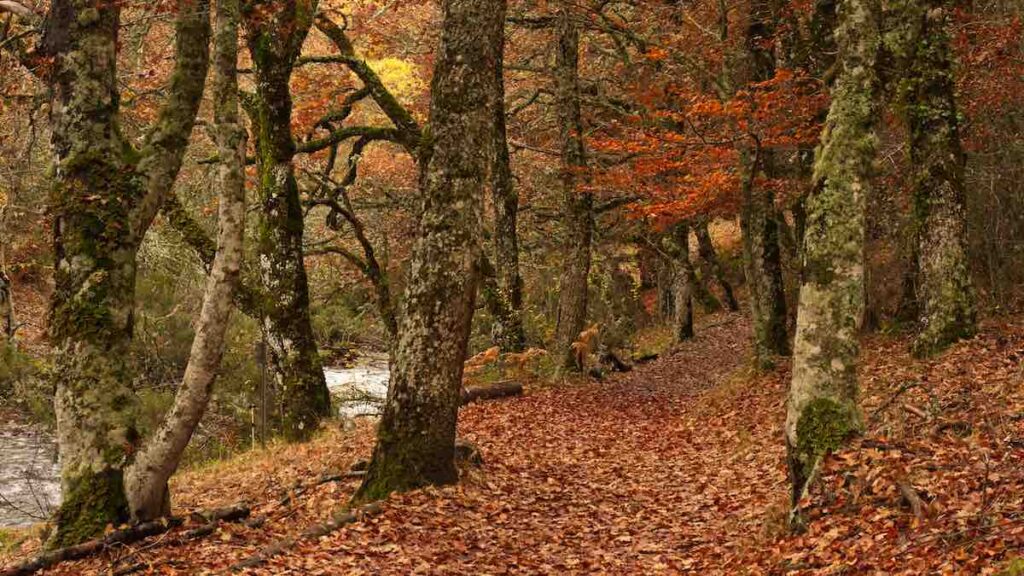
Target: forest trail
[(674, 468)]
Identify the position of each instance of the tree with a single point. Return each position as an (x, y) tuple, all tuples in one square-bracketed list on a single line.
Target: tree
[(706, 249), (822, 408), (105, 197), (761, 252), (684, 282), (507, 331), (940, 265), (275, 32), (416, 435), (578, 205), (146, 479)]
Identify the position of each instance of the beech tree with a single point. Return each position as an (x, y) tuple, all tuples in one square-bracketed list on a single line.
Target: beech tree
[(275, 32), (578, 208), (106, 195), (940, 263), (159, 456), (761, 250), (822, 408), (416, 435)]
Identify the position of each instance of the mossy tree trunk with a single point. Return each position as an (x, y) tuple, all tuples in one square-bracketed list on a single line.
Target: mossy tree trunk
[(706, 249), (578, 206), (761, 249), (941, 276), (146, 479), (507, 332), (275, 32), (822, 408), (102, 204), (416, 435)]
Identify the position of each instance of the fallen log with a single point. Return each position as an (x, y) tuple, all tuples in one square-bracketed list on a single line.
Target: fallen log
[(121, 536), (491, 391), (340, 519)]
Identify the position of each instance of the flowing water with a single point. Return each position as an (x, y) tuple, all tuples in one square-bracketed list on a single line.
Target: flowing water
[(29, 484), (30, 475), (359, 390)]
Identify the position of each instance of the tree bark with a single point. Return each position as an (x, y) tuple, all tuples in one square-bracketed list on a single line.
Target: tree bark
[(101, 209), (416, 436), (579, 206), (822, 406), (763, 264), (706, 249), (6, 309), (507, 331), (274, 44), (684, 280), (762, 254), (941, 276), (146, 479)]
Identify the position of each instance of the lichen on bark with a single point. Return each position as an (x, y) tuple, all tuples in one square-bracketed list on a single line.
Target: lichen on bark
[(823, 392), (416, 438), (919, 40), (274, 44)]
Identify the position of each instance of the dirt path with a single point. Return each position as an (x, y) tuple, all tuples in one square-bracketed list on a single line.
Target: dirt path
[(639, 474)]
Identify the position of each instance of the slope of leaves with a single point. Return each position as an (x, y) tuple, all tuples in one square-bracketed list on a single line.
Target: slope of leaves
[(675, 468)]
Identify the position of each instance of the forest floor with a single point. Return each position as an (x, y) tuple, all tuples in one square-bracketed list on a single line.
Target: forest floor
[(675, 468)]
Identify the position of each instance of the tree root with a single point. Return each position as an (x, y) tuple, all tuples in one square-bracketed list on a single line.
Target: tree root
[(120, 537), (340, 519)]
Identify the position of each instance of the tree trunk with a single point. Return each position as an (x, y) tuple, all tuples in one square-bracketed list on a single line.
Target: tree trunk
[(274, 44), (683, 284), (146, 479), (101, 207), (416, 436), (6, 309), (507, 332), (943, 281), (822, 406), (763, 266), (706, 249), (579, 206), (762, 254)]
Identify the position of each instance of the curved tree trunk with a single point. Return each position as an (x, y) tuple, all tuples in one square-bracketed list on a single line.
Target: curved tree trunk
[(822, 406), (943, 282), (706, 249), (274, 44), (146, 479), (579, 206), (416, 436)]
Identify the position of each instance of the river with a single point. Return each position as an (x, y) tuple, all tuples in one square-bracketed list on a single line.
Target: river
[(30, 475)]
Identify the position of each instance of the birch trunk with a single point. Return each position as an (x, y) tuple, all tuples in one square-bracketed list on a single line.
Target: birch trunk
[(146, 479), (416, 436), (822, 410)]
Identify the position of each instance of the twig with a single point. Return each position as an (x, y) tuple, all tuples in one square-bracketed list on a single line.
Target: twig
[(341, 518)]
